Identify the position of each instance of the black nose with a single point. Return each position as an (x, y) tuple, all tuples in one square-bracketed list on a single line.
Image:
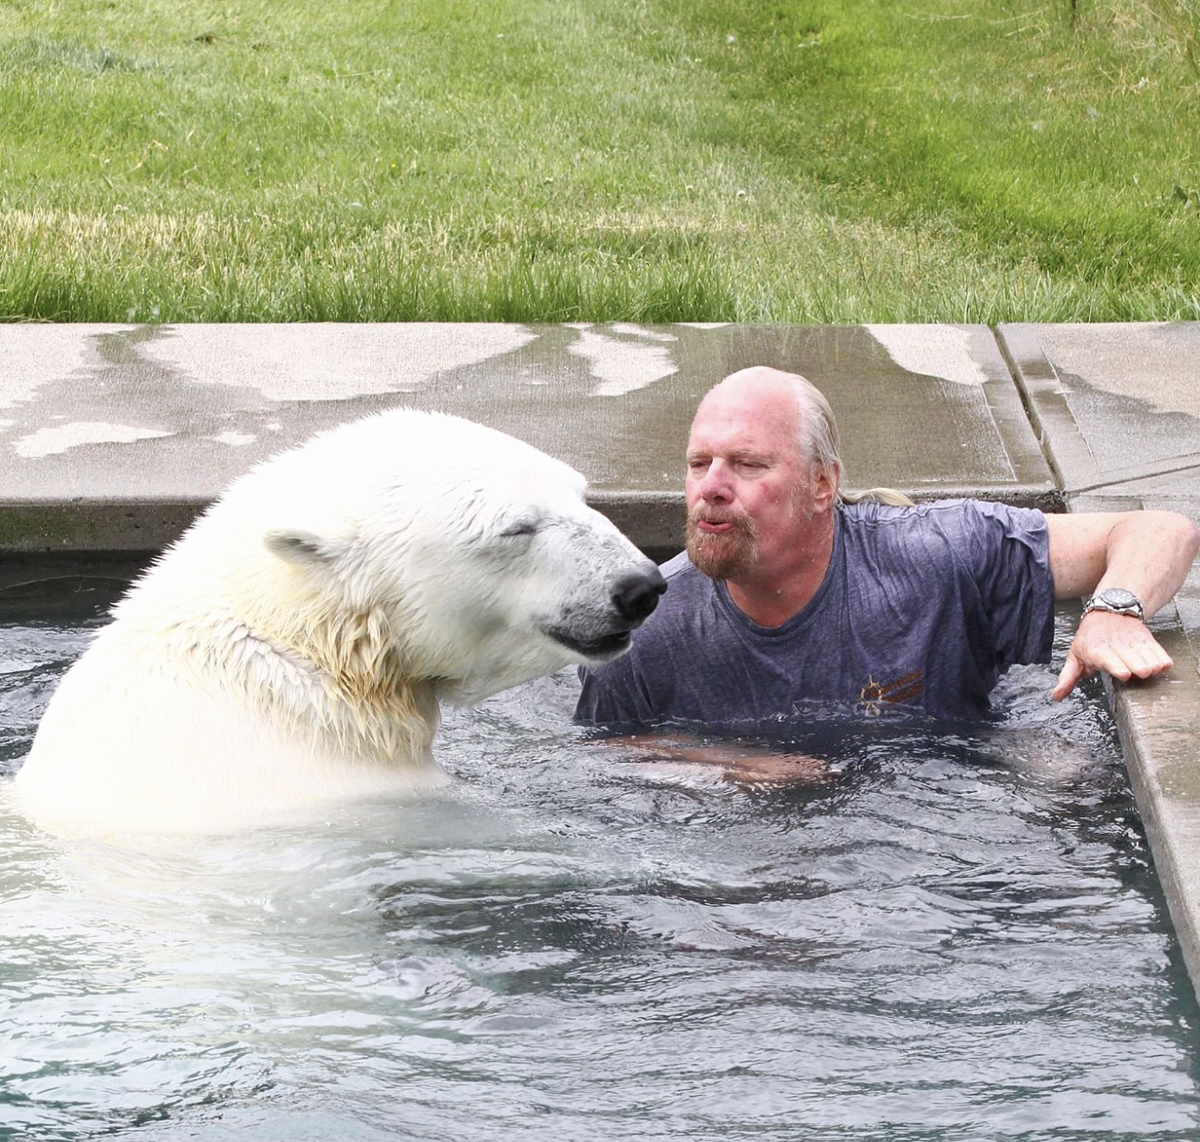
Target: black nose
[(637, 595)]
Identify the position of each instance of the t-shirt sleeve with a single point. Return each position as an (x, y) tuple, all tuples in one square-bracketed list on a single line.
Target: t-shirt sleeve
[(1007, 549)]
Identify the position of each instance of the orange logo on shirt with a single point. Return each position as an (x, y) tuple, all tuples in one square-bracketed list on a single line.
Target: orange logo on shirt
[(874, 693)]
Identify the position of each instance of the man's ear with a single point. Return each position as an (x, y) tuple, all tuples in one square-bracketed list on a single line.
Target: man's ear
[(825, 486), (306, 548)]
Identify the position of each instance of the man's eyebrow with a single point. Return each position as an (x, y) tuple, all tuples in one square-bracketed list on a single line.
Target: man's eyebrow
[(735, 456)]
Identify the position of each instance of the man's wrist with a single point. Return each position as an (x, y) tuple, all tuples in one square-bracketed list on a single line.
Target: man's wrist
[(1116, 601)]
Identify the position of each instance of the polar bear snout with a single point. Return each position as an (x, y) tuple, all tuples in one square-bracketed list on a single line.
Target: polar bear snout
[(597, 634), (635, 596)]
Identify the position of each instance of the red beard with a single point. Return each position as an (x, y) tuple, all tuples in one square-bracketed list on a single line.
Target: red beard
[(726, 554)]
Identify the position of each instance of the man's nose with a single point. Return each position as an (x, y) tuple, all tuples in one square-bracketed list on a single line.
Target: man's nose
[(716, 486)]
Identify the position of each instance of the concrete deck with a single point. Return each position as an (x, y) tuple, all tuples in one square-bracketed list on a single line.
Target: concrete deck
[(113, 437)]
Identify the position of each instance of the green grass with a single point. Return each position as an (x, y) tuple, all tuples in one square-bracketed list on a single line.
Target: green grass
[(556, 160)]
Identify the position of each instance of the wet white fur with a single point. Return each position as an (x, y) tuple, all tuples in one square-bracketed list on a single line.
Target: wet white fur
[(291, 649)]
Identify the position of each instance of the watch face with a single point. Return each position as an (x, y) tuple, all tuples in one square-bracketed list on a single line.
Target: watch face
[(1119, 597)]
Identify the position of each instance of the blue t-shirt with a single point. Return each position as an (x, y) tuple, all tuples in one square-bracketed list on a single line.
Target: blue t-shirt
[(922, 608)]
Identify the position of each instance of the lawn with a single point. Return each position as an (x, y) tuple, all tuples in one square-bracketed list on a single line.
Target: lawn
[(597, 160)]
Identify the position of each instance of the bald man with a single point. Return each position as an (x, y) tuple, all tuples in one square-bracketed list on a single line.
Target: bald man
[(792, 595)]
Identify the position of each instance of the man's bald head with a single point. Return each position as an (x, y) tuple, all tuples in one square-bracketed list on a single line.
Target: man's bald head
[(775, 393)]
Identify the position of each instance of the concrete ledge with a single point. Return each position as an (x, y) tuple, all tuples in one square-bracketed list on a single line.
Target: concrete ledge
[(83, 525), (1157, 722), (653, 520)]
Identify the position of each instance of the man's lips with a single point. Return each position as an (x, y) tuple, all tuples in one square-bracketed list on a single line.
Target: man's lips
[(717, 523)]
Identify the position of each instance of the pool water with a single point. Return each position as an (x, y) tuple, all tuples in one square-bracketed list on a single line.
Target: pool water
[(949, 935)]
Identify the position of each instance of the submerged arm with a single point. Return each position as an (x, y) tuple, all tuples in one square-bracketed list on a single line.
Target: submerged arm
[(744, 763)]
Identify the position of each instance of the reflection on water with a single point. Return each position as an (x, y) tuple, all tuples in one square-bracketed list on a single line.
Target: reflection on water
[(954, 935)]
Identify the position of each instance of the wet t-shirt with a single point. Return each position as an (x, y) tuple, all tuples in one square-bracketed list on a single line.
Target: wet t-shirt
[(921, 609)]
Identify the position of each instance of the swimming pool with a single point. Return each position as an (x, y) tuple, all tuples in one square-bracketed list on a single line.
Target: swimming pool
[(954, 935)]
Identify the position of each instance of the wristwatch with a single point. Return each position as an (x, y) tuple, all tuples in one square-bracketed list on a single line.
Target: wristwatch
[(1117, 600)]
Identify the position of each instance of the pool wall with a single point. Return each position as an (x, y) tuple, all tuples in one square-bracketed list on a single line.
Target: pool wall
[(113, 437)]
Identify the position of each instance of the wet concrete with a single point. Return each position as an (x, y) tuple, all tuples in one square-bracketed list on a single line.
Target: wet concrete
[(155, 421), (113, 437)]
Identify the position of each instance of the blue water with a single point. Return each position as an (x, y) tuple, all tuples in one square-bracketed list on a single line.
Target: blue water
[(948, 936)]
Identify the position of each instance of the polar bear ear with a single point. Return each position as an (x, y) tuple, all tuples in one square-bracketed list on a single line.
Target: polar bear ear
[(305, 547)]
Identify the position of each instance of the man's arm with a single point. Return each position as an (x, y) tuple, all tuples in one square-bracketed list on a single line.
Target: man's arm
[(1148, 553), (740, 763)]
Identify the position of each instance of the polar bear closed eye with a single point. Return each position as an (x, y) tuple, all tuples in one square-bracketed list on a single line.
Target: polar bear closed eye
[(292, 647)]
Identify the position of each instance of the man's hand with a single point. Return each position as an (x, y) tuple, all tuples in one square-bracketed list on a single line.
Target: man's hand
[(1120, 645), (1146, 552)]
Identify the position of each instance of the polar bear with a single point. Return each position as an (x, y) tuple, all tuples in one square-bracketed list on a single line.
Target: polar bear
[(291, 649)]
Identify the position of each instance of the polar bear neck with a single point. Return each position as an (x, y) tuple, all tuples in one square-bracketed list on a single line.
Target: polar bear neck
[(333, 680), (371, 706)]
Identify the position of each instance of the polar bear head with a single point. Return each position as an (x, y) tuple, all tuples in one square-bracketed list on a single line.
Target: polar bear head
[(475, 550)]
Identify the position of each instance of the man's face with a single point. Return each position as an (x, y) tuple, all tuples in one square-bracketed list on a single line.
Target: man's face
[(750, 498)]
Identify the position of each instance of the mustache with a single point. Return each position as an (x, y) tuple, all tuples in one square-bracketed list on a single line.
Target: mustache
[(701, 514)]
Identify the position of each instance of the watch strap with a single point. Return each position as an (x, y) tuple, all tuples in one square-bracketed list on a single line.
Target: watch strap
[(1117, 601)]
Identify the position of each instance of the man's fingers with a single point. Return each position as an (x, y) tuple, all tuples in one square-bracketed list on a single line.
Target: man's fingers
[(1142, 659), (1149, 660), (1070, 674)]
